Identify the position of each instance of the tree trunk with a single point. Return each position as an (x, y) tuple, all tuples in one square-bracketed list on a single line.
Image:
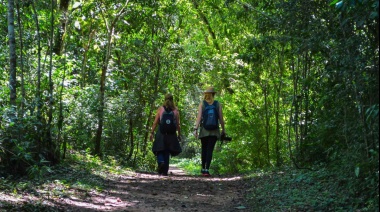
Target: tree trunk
[(277, 114), (23, 96), (306, 99), (38, 90), (296, 100), (101, 108), (12, 53), (132, 144), (84, 61), (61, 29), (110, 32), (267, 120), (59, 49), (51, 146), (156, 63)]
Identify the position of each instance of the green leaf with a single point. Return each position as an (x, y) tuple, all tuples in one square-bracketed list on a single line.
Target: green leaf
[(357, 170), (77, 24), (334, 2), (240, 207), (76, 5), (374, 15), (339, 5)]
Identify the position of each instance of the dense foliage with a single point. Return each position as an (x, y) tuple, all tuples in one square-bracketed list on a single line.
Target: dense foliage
[(298, 80)]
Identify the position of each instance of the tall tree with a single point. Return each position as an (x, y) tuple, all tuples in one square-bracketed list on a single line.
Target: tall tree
[(23, 94), (12, 52), (50, 144), (38, 99), (110, 26)]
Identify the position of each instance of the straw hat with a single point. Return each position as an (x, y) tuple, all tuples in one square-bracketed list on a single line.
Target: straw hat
[(210, 90)]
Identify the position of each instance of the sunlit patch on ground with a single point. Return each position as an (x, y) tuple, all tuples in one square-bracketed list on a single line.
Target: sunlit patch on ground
[(134, 192)]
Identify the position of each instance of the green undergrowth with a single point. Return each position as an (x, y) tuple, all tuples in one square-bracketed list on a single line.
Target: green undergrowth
[(190, 165), (74, 177), (291, 189), (285, 189), (304, 190)]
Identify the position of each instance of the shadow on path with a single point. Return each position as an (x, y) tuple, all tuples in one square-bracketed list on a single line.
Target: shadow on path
[(151, 192)]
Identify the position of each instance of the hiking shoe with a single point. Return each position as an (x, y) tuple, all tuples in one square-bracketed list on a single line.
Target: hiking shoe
[(161, 168), (206, 173)]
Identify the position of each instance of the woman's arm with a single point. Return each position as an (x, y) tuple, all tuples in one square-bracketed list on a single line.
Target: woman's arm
[(178, 120), (198, 121), (155, 122), (221, 119)]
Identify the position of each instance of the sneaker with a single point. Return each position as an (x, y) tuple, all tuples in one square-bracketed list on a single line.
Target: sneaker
[(206, 173), (203, 171)]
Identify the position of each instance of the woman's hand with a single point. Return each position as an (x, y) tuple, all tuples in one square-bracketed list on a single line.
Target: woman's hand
[(151, 136), (195, 132)]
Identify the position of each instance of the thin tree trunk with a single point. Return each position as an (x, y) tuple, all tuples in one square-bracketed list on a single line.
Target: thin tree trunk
[(155, 92), (61, 46), (12, 53), (110, 32), (101, 110), (84, 61), (38, 91), (277, 109), (8, 145), (60, 117), (48, 138), (296, 99), (267, 120), (21, 60), (61, 29), (305, 90), (132, 144)]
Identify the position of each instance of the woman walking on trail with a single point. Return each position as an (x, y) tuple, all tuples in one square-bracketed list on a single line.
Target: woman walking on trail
[(210, 115), (166, 142)]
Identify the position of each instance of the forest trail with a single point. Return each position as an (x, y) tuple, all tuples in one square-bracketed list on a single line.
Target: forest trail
[(151, 192)]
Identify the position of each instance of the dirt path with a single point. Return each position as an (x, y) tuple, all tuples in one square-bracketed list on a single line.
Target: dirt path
[(177, 192)]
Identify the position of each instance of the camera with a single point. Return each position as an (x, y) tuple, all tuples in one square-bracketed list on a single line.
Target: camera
[(224, 137)]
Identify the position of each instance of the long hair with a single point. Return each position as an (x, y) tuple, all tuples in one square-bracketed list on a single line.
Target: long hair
[(209, 97), (168, 102)]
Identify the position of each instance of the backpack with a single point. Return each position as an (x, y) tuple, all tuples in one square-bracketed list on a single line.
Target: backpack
[(210, 116), (168, 122)]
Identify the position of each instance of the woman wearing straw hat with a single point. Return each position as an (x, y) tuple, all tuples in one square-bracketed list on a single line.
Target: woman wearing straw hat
[(208, 136)]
